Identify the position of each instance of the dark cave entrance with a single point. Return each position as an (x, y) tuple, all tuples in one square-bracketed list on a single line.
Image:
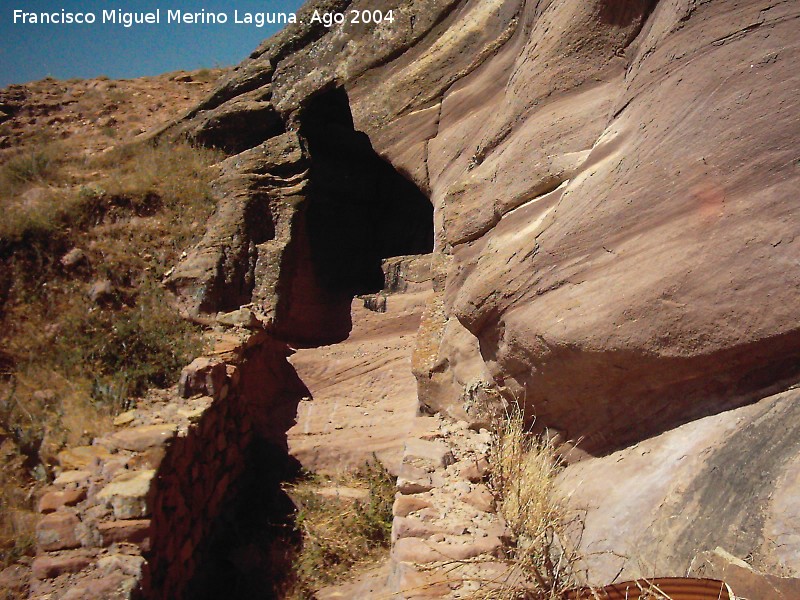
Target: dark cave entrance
[(362, 210)]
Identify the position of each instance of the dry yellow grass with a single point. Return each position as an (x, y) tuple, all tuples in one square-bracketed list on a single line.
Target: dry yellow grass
[(523, 470)]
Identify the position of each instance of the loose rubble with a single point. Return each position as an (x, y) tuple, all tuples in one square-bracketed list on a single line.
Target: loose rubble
[(447, 538)]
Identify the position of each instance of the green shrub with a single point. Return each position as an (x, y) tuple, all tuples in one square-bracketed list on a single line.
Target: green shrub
[(340, 536), (125, 351)]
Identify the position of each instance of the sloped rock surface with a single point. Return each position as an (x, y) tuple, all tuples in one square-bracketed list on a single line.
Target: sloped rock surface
[(592, 200), (614, 219), (727, 480), (363, 395), (639, 295)]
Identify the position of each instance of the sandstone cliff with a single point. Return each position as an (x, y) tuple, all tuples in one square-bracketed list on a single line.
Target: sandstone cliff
[(583, 207), (613, 218)]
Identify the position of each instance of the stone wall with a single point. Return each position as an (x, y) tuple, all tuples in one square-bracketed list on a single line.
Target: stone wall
[(133, 511)]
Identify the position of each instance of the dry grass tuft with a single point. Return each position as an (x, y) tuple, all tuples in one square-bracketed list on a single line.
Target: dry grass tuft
[(523, 471), (68, 363), (341, 536), (17, 520)]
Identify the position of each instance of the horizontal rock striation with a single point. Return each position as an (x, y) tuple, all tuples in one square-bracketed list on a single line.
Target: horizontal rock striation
[(608, 189)]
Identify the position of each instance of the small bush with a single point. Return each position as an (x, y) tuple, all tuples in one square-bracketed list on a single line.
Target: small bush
[(119, 350), (340, 536), (37, 164)]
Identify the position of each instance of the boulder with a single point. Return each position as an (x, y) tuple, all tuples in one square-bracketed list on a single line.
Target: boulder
[(58, 531)]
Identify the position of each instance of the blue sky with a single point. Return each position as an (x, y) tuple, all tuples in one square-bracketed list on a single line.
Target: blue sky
[(30, 52)]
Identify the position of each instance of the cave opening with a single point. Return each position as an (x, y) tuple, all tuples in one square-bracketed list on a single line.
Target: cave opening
[(362, 210)]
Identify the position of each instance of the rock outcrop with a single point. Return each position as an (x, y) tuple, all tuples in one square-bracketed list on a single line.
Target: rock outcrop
[(608, 192), (591, 198)]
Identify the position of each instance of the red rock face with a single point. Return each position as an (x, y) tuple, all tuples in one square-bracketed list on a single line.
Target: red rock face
[(642, 293), (613, 202), (614, 192)]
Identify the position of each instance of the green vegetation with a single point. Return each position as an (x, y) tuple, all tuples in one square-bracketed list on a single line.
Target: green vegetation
[(70, 361), (340, 535)]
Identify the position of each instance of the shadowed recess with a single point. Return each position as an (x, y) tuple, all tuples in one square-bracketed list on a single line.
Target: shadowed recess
[(362, 210)]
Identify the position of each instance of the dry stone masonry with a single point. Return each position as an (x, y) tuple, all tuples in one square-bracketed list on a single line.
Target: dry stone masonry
[(447, 538), (131, 512)]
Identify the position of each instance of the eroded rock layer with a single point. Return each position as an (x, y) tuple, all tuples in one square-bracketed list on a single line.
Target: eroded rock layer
[(613, 193)]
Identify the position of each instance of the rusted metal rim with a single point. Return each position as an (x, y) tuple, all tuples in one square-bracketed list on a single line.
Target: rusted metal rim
[(660, 588)]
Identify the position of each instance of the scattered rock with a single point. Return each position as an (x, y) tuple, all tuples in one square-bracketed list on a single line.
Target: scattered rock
[(149, 459), (404, 505), (14, 580), (111, 587), (73, 479), (82, 457), (143, 437), (52, 501), (414, 485), (481, 498), (376, 303), (420, 583), (243, 317), (202, 376), (127, 494), (58, 531), (125, 418), (102, 292), (48, 567), (73, 259), (121, 563), (406, 527), (136, 531), (427, 453), (473, 470)]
